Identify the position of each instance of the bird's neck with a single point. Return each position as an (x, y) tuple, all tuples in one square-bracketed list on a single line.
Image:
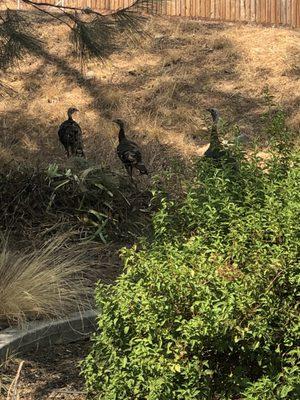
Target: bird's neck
[(214, 136), (70, 118), (121, 133)]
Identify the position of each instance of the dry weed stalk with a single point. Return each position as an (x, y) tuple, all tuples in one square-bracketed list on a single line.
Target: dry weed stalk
[(13, 393)]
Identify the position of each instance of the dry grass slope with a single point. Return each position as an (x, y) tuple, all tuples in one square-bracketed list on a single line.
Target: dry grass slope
[(161, 87)]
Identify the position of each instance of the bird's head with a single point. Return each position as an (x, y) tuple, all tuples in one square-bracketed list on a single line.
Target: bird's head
[(71, 111), (214, 113), (119, 122)]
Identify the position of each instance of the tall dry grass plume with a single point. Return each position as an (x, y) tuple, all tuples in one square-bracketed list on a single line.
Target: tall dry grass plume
[(51, 281)]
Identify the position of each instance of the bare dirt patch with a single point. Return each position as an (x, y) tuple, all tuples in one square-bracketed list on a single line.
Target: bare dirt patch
[(47, 374)]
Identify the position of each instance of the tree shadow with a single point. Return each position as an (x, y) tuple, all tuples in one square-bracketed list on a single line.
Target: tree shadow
[(53, 372), (187, 78)]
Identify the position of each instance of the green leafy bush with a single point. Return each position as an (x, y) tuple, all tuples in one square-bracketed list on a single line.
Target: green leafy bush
[(92, 192), (208, 309)]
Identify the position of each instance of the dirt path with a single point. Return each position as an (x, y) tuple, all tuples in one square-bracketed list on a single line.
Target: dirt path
[(47, 374)]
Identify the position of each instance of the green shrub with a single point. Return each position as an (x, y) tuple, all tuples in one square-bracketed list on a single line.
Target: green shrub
[(208, 309)]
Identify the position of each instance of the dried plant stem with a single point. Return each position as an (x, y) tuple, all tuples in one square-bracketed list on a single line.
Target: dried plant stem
[(13, 389)]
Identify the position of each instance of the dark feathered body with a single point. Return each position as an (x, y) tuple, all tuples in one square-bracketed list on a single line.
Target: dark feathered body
[(216, 150), (70, 135), (129, 153)]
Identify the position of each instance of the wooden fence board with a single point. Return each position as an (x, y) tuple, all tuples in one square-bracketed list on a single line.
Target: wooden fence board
[(272, 12)]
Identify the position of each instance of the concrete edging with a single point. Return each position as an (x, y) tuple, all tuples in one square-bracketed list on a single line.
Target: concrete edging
[(35, 334)]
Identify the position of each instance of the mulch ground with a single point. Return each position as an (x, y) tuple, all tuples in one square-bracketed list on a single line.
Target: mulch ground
[(51, 373)]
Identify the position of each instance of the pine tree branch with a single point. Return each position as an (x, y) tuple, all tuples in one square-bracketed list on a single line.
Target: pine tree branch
[(126, 18), (51, 15), (60, 7), (95, 34), (87, 10), (17, 37)]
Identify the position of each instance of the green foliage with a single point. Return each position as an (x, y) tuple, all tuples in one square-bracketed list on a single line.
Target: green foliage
[(208, 309), (92, 191), (104, 201), (91, 200)]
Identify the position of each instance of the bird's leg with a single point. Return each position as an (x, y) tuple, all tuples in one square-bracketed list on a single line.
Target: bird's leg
[(81, 152), (131, 177), (129, 171), (67, 151), (73, 150)]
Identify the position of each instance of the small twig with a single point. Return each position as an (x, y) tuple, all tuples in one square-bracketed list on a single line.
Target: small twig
[(14, 385)]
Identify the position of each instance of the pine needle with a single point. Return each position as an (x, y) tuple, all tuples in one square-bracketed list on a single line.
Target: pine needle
[(17, 38)]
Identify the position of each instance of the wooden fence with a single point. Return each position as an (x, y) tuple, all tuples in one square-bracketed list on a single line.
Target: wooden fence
[(269, 12)]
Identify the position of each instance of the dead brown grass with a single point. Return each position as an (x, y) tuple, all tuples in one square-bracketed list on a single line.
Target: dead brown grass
[(161, 87)]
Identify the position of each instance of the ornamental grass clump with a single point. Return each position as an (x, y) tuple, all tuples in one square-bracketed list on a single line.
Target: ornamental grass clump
[(44, 283)]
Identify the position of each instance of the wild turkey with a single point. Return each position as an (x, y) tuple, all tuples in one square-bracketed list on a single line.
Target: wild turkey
[(70, 135), (129, 152), (216, 150)]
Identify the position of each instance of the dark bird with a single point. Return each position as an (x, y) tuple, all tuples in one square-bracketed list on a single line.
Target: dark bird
[(70, 135), (129, 152), (216, 150)]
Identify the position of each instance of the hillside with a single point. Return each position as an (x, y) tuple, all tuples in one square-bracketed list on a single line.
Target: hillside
[(160, 85)]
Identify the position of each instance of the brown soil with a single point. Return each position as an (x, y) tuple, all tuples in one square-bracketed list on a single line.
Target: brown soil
[(51, 373)]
